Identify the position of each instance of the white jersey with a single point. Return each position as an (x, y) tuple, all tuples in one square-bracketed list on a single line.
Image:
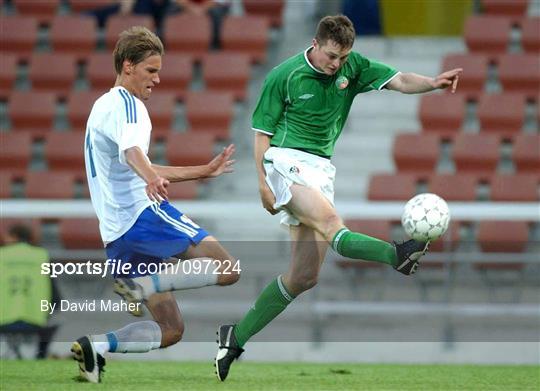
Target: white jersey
[(118, 121)]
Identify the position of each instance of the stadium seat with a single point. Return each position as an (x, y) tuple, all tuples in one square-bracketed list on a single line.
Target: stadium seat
[(187, 34), (33, 224), (520, 73), (88, 5), (80, 233), (188, 149), (209, 110), (227, 72), (6, 178), (476, 153), (442, 111), (487, 34), (503, 236), (516, 187), (505, 7), (76, 34), (32, 109), (183, 190), (272, 9), (118, 23), (501, 112), (100, 71), (392, 187), (530, 36), (526, 153), (49, 185), (65, 151), (176, 74), (54, 72), (19, 34), (426, 152), (473, 78), (43, 11), (160, 107), (248, 35), (15, 150), (78, 107), (8, 74), (454, 187)]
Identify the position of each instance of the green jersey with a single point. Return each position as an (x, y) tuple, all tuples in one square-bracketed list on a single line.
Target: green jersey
[(301, 107)]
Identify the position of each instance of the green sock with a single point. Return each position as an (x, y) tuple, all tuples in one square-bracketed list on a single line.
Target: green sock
[(270, 303), (359, 246)]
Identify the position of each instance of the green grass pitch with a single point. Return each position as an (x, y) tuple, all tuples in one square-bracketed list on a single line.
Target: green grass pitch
[(151, 375)]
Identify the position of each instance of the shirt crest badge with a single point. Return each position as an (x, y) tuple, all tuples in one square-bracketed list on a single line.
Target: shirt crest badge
[(342, 82)]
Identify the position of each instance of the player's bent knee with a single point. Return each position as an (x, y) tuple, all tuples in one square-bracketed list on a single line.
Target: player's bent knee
[(229, 279)]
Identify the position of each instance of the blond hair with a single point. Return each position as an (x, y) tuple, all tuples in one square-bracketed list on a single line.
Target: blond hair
[(136, 44)]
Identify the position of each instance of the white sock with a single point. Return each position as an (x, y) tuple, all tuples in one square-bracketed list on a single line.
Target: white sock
[(138, 337), (174, 278)]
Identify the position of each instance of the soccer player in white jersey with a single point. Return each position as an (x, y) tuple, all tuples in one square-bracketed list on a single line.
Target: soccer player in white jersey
[(137, 224), (300, 114)]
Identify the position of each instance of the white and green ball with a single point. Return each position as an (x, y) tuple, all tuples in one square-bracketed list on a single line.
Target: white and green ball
[(426, 217)]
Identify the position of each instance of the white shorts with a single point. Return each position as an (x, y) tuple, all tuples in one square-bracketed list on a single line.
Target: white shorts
[(285, 166)]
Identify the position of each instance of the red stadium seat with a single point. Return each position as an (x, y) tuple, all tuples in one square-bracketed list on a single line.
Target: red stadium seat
[(53, 72), (187, 34), (80, 233), (76, 34), (487, 34), (392, 187), (517, 188), (118, 23), (476, 153), (442, 111), (526, 153), (454, 187), (15, 150), (19, 34), (530, 36), (246, 34), (475, 68), (160, 107), (176, 74), (272, 9), (209, 110), (64, 151), (8, 74), (426, 152), (183, 190), (520, 73), (227, 72), (503, 236), (44, 11), (100, 71), (49, 185), (32, 109), (88, 5), (79, 105), (501, 112), (6, 178), (505, 7), (188, 149)]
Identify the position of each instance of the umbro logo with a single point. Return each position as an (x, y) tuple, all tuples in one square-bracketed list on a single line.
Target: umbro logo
[(306, 96)]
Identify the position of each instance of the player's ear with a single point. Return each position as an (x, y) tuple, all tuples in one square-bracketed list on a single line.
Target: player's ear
[(127, 67), (315, 43)]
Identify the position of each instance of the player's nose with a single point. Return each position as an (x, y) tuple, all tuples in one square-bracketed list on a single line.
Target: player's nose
[(156, 80)]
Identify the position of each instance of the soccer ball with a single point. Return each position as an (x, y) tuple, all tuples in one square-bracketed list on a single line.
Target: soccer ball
[(426, 217)]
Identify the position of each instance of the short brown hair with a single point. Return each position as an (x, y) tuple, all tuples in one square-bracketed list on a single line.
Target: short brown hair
[(338, 28), (135, 45)]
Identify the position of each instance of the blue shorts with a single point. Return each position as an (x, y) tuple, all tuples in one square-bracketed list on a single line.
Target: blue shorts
[(159, 233)]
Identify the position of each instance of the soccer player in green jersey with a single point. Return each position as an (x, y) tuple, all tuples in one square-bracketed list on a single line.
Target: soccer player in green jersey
[(300, 114)]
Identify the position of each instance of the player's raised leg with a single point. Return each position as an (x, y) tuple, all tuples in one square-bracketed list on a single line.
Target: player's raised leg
[(309, 249), (313, 209)]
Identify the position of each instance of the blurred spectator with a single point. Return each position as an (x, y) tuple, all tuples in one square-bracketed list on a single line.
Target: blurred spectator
[(216, 10), (22, 287)]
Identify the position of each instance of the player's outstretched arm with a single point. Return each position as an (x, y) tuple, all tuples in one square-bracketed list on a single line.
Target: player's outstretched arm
[(412, 83), (221, 164), (156, 184)]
